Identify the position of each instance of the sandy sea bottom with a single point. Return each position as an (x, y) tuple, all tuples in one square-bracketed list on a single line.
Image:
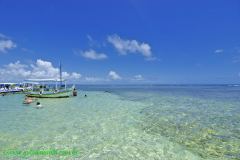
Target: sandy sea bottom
[(123, 125)]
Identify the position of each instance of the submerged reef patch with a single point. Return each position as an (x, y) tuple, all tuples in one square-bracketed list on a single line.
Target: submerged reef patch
[(208, 128)]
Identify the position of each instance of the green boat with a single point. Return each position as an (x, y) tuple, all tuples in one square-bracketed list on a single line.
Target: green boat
[(60, 94), (44, 88), (49, 88)]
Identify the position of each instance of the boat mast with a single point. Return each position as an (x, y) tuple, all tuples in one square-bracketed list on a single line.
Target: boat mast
[(60, 73)]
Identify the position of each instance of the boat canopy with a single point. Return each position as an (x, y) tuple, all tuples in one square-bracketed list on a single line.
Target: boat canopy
[(45, 80), (29, 82), (8, 83)]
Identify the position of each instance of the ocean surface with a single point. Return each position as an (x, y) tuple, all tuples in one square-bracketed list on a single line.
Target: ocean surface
[(127, 122)]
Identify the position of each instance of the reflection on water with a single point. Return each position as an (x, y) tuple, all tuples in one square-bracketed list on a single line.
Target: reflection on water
[(128, 123)]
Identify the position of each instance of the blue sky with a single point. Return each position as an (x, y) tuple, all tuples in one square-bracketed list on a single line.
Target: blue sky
[(127, 41)]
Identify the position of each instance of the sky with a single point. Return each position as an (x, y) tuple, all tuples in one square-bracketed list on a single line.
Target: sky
[(125, 42)]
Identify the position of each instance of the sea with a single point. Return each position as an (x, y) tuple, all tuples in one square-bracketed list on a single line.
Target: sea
[(155, 122)]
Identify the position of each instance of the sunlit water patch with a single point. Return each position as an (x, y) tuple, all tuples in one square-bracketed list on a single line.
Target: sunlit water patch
[(209, 127), (100, 126)]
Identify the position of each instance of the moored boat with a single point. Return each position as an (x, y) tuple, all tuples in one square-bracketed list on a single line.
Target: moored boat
[(6, 88), (44, 88), (49, 88)]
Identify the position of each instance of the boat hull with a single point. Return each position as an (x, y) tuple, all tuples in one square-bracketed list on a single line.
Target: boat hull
[(10, 92), (65, 94)]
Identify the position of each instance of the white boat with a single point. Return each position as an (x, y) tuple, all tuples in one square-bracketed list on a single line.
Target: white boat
[(10, 88)]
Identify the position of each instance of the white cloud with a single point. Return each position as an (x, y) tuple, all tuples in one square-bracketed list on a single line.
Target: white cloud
[(75, 75), (41, 69), (26, 50), (114, 76), (2, 36), (218, 51), (89, 38), (72, 75), (91, 42), (94, 79), (92, 54), (124, 46), (152, 59), (44, 69), (138, 77), (91, 79), (6, 44), (236, 59), (94, 43), (14, 71)]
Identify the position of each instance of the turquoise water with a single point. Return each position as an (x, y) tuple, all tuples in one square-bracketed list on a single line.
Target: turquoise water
[(127, 122)]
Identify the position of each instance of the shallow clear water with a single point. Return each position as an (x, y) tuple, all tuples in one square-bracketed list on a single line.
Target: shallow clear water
[(128, 122)]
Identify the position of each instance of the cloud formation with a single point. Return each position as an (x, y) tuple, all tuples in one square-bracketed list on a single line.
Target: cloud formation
[(114, 76), (2, 36), (218, 51), (41, 69), (14, 71), (6, 44), (124, 46), (94, 79), (93, 55), (138, 77), (73, 75)]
